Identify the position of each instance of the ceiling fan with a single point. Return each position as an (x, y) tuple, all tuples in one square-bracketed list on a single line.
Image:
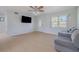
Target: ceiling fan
[(37, 9)]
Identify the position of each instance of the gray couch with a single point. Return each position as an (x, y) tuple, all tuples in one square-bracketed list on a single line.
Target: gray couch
[(65, 44)]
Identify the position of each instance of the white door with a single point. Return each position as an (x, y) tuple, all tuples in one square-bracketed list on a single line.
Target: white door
[(2, 25)]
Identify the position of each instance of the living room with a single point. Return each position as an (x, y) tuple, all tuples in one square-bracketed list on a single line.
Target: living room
[(51, 22)]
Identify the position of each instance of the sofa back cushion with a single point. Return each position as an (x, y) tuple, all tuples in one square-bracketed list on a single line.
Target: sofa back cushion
[(75, 38)]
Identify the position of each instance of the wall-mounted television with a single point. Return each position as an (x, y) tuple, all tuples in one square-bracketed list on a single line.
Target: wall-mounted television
[(26, 19)]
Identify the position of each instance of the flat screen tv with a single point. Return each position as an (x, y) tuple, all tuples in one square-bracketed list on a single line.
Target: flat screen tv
[(26, 19)]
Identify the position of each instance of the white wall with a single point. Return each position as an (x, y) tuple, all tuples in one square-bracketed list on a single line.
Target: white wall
[(47, 17), (3, 25), (15, 26)]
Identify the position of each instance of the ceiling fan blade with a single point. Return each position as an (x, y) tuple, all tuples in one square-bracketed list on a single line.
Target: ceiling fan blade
[(40, 7), (32, 7), (41, 10)]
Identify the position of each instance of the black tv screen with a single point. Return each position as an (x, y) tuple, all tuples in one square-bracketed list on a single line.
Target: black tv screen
[(26, 19)]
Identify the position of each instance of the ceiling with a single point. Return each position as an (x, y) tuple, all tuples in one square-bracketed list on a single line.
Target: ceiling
[(24, 9)]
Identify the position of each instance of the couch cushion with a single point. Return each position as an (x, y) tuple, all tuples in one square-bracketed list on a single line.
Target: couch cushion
[(65, 46), (60, 48)]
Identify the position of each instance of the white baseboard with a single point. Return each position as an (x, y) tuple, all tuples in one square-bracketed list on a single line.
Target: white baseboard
[(49, 32)]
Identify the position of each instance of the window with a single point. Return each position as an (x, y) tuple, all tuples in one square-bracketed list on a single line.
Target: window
[(59, 21)]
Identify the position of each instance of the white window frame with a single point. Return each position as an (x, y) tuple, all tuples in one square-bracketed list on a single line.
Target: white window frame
[(59, 22)]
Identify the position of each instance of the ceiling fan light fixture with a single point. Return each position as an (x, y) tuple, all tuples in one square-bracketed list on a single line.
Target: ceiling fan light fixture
[(36, 13)]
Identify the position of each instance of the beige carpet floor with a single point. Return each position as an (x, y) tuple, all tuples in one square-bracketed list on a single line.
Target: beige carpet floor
[(30, 42)]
